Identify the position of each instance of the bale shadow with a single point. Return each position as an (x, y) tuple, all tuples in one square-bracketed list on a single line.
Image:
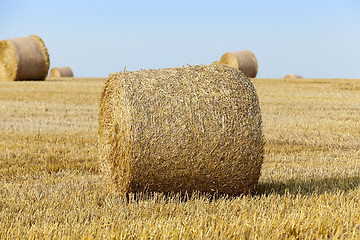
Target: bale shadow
[(315, 186), (309, 187)]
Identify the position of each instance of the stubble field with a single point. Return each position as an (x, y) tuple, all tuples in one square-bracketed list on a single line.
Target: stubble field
[(51, 186)]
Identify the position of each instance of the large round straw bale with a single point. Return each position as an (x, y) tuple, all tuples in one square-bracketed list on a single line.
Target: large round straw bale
[(24, 58), (292, 77), (61, 72), (181, 130), (245, 61)]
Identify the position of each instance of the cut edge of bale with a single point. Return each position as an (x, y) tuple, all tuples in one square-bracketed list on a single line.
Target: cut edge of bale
[(45, 54), (170, 130)]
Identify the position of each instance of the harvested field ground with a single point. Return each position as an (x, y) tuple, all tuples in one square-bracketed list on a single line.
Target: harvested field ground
[(50, 185)]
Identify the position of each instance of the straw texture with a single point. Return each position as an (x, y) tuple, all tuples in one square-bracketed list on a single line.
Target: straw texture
[(24, 58), (61, 72), (245, 61), (292, 77), (181, 130)]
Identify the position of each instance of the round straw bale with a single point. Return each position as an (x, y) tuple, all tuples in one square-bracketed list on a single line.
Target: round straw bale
[(181, 130), (61, 72), (245, 61), (24, 58), (217, 62), (292, 77)]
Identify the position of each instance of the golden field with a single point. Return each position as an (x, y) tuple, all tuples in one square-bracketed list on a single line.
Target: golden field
[(51, 187)]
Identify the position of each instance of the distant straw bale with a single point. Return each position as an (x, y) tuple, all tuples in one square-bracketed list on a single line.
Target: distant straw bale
[(245, 61), (217, 62), (181, 130), (61, 72), (24, 58), (292, 77)]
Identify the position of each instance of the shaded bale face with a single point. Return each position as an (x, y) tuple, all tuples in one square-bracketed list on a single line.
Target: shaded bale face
[(61, 72), (245, 61), (23, 58), (181, 130)]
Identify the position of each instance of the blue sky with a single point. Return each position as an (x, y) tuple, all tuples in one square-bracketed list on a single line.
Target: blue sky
[(316, 39)]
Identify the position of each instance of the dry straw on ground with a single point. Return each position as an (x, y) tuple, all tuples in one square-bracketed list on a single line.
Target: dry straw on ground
[(61, 72), (181, 130), (292, 77), (24, 58), (245, 61)]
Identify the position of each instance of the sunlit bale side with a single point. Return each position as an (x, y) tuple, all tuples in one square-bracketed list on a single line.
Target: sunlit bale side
[(181, 130)]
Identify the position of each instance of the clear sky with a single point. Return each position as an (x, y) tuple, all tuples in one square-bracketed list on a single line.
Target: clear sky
[(313, 38)]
